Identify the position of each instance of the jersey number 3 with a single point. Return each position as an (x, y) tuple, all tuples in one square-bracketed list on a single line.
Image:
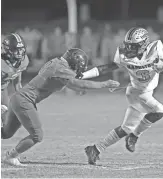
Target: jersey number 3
[(144, 75)]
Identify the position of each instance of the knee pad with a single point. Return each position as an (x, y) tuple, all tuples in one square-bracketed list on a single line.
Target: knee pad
[(37, 136), (120, 132), (153, 117)]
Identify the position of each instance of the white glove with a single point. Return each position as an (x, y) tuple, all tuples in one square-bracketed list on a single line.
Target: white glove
[(3, 109)]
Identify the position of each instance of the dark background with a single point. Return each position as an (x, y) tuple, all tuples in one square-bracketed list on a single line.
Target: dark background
[(38, 22), (100, 9)]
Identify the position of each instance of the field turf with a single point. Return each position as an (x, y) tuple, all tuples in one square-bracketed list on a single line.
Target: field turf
[(70, 124)]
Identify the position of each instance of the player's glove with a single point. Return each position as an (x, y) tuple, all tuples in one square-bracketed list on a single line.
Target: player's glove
[(3, 109), (116, 89), (112, 84)]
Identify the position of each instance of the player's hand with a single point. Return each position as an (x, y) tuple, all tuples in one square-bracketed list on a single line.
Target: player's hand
[(117, 89), (112, 84), (3, 109)]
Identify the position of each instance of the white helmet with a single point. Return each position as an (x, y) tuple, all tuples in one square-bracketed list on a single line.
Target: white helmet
[(136, 41)]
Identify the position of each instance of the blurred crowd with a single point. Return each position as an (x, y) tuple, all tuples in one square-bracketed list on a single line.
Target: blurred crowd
[(100, 44)]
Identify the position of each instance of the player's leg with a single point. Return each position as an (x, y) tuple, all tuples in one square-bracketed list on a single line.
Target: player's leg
[(28, 117), (10, 125), (132, 117), (113, 136), (155, 113), (4, 104), (32, 124)]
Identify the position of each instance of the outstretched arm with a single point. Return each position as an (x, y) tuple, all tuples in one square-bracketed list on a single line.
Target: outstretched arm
[(100, 70), (85, 84)]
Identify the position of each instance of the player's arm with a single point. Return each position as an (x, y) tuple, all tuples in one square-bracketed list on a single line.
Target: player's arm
[(67, 76), (102, 69), (158, 66), (4, 100), (85, 84), (17, 82)]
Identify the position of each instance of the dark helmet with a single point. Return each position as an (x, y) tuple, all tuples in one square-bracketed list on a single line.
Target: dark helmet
[(77, 60), (13, 49)]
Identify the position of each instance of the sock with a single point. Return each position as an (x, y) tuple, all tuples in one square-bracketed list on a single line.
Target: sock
[(13, 153), (111, 138), (2, 132), (25, 144), (142, 126)]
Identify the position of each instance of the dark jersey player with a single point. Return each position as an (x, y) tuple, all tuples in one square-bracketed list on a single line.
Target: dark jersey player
[(13, 61), (54, 75)]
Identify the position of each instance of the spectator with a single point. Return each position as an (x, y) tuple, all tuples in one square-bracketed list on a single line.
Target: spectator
[(45, 51), (119, 38), (107, 45), (160, 14), (70, 40), (32, 39), (89, 43), (56, 42)]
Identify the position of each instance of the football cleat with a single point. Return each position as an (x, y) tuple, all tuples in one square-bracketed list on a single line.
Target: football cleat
[(14, 161), (131, 140), (92, 154)]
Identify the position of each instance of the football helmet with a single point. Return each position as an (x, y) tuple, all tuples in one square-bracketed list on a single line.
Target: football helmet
[(77, 60), (136, 42), (13, 49)]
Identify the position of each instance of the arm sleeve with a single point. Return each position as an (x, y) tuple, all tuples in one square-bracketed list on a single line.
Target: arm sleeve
[(94, 72), (117, 58), (160, 49), (100, 70)]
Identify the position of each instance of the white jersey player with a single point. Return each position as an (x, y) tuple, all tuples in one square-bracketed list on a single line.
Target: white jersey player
[(144, 61)]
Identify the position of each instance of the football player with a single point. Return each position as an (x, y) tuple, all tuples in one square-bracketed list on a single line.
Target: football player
[(53, 76), (13, 61), (143, 60)]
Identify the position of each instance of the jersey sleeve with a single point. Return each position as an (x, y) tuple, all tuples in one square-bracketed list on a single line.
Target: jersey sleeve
[(117, 58), (160, 49), (63, 71)]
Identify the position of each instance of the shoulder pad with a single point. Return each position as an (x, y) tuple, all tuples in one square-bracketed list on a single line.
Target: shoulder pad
[(5, 67), (152, 47), (24, 63)]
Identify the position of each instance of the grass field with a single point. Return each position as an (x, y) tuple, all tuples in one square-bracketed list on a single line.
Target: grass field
[(70, 124)]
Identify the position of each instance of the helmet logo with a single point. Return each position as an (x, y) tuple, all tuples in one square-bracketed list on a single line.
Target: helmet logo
[(20, 44)]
